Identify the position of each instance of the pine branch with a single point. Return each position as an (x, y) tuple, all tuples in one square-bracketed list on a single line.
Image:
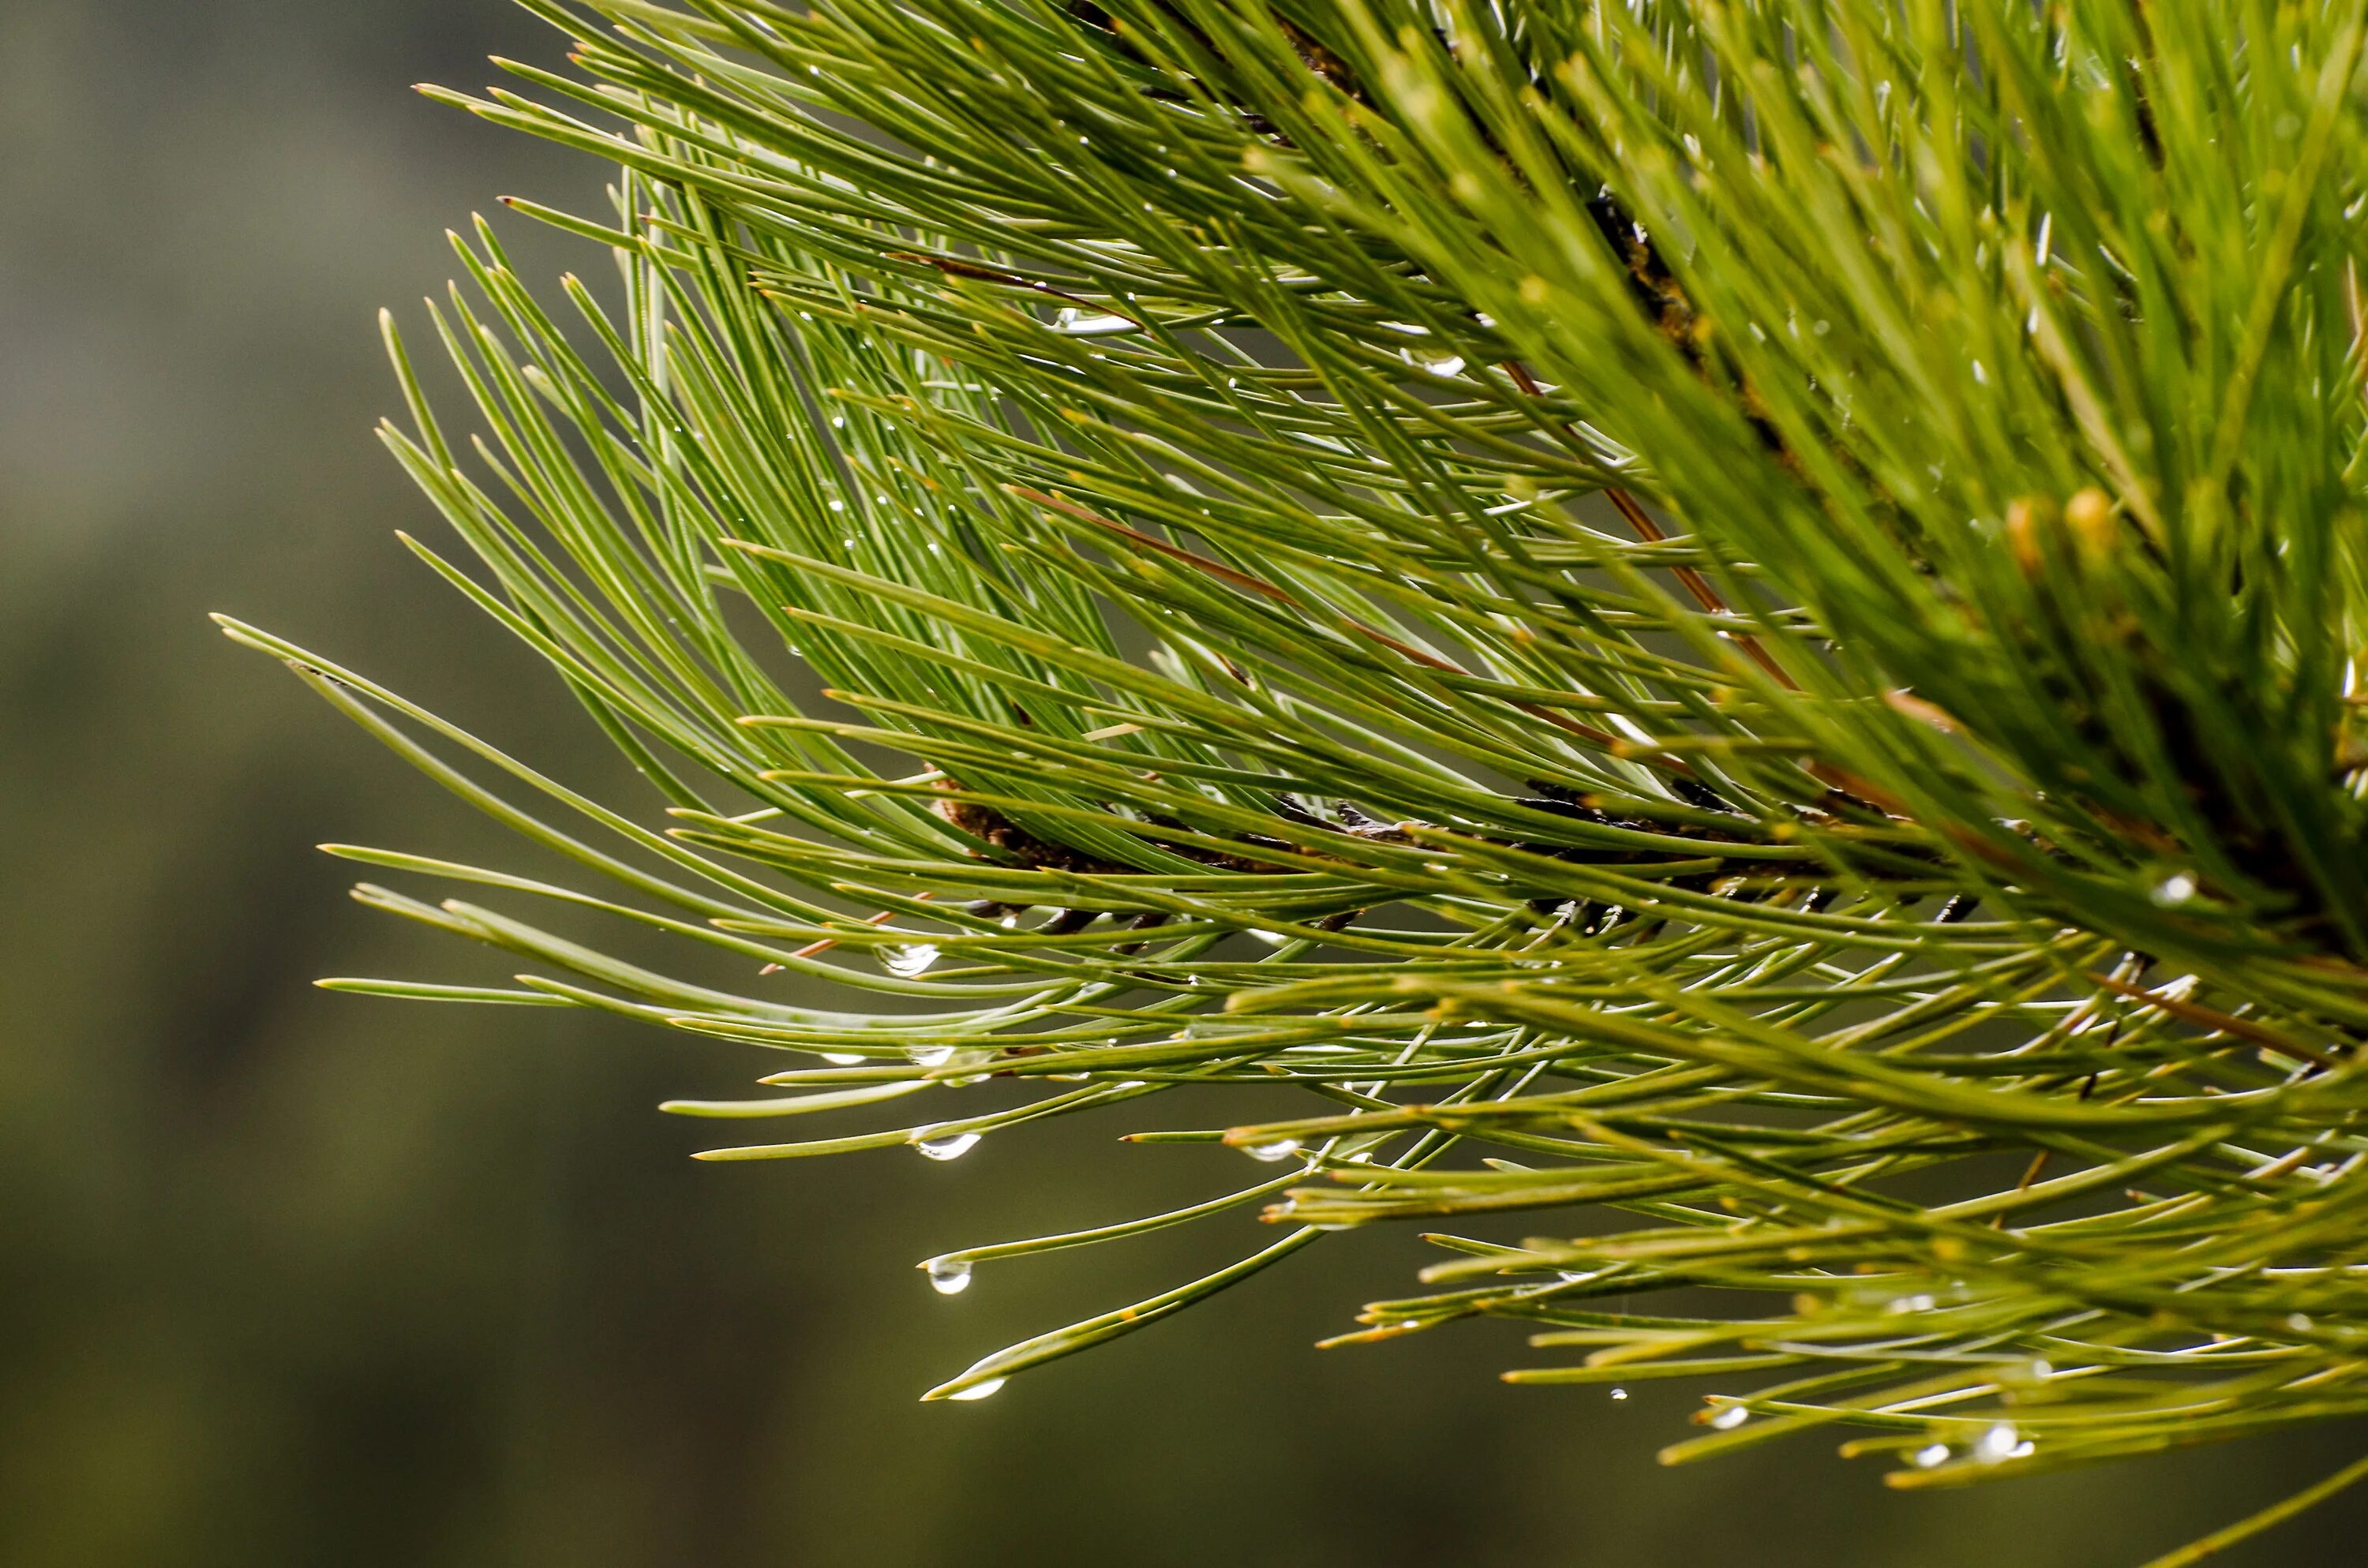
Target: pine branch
[(1752, 611)]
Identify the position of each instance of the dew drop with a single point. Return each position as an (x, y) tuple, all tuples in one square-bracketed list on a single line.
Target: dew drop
[(2000, 1442), (948, 1275), (2174, 891), (1728, 1420), (1933, 1454), (931, 1055), (1069, 319), (1619, 1394), (2299, 1322), (908, 962), (978, 1390), (953, 1146), (842, 1057), (1437, 364), (1281, 1149)]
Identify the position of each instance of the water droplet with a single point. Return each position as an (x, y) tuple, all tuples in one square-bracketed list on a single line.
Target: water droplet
[(978, 1390), (1437, 364), (842, 1057), (948, 1275), (1069, 319), (1619, 1394), (1927, 1456), (908, 962), (1912, 1304), (1271, 938), (2174, 891), (952, 1146), (2299, 1322), (1728, 1420), (931, 1055), (2000, 1442), (1281, 1149)]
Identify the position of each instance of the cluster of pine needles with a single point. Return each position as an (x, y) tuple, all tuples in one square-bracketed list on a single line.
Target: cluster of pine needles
[(1728, 629)]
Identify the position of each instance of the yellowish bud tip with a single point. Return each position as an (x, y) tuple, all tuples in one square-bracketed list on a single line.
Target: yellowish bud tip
[(2090, 517), (2024, 519)]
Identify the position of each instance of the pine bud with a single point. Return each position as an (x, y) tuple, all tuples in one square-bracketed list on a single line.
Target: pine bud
[(2026, 518), (2089, 513), (2088, 518)]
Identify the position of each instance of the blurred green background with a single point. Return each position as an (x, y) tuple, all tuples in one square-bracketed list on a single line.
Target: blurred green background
[(294, 1278)]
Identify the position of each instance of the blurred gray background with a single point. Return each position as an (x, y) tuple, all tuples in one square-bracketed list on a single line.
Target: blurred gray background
[(294, 1278)]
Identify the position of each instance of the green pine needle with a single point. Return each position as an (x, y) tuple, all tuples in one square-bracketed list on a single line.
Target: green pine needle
[(1747, 611)]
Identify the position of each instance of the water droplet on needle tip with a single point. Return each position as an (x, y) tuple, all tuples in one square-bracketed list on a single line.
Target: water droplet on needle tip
[(906, 962)]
